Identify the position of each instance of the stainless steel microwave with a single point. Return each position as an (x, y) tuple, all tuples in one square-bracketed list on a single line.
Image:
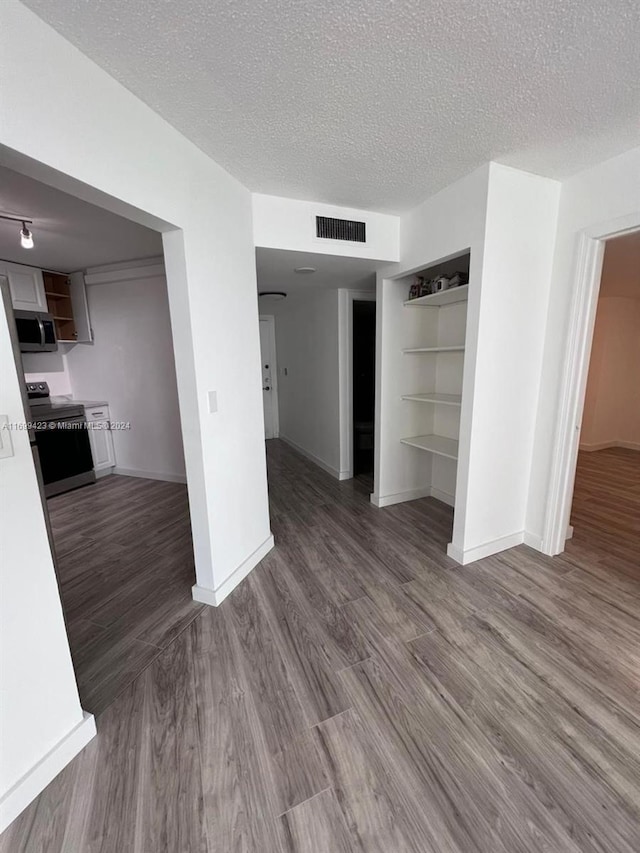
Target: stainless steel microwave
[(36, 331)]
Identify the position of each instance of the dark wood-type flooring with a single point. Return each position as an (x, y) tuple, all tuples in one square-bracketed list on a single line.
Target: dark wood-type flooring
[(125, 569), (359, 691)]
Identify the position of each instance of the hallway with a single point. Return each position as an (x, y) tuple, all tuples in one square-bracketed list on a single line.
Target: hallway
[(360, 691)]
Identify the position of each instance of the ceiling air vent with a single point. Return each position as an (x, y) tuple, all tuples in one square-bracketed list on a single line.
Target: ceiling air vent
[(341, 229)]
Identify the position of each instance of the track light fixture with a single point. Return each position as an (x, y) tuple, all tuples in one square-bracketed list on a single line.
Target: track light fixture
[(26, 237)]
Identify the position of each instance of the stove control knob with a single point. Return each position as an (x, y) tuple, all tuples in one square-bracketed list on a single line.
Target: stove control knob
[(41, 387)]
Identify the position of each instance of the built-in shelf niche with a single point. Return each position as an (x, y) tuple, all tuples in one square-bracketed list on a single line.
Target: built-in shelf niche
[(432, 382)]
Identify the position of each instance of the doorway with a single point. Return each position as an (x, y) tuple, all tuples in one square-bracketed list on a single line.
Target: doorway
[(606, 504), (108, 445), (566, 480), (363, 385)]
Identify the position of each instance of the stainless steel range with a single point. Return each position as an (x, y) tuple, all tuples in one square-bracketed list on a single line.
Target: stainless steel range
[(61, 436)]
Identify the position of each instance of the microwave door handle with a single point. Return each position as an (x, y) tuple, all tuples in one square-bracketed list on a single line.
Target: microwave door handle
[(42, 335)]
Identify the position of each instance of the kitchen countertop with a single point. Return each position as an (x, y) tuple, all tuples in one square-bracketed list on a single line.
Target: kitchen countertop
[(87, 403)]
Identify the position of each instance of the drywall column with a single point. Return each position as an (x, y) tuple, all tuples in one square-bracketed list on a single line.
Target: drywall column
[(522, 212), (42, 725)]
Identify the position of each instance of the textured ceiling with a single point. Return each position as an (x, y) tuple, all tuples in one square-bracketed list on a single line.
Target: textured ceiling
[(68, 234), (374, 103), (276, 271)]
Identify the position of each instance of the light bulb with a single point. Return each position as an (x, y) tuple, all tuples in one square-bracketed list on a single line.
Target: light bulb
[(26, 237)]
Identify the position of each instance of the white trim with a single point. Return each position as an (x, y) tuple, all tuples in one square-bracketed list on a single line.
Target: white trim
[(480, 551), (129, 274), (270, 320), (444, 497), (339, 475), (532, 540), (399, 497), (586, 287), (606, 445), (36, 780), (603, 445), (346, 298), (150, 475), (104, 472), (216, 596), (569, 533)]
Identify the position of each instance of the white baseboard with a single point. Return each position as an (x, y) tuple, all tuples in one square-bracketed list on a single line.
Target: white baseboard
[(400, 497), (605, 445), (533, 540), (445, 497), (569, 532), (36, 780), (339, 475), (412, 495), (150, 475), (216, 596), (485, 550), (104, 472)]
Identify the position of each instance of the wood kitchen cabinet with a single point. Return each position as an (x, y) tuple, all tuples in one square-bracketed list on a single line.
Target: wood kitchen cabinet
[(57, 288), (64, 296), (26, 285)]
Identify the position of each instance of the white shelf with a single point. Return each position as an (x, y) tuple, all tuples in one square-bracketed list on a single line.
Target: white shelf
[(433, 349), (445, 297), (437, 444), (440, 399)]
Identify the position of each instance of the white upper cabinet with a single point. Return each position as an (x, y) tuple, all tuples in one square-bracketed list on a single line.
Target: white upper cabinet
[(26, 286)]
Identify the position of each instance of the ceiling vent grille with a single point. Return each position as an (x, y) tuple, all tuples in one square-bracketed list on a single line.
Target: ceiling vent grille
[(341, 229)]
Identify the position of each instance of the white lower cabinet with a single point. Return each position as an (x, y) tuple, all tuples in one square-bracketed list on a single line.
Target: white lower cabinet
[(101, 440)]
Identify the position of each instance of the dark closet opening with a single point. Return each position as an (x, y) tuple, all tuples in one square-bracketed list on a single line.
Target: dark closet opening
[(364, 380)]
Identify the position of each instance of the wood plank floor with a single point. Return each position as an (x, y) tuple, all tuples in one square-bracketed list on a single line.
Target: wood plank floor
[(359, 691), (125, 569)]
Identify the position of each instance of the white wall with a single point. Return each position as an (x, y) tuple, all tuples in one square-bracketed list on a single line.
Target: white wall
[(507, 219), (284, 223), (88, 135), (308, 395), (522, 212), (48, 367), (131, 365), (210, 264), (447, 224), (40, 704), (612, 402), (604, 193)]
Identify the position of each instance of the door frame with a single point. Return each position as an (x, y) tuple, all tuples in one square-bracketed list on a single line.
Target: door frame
[(346, 298), (584, 304), (270, 320)]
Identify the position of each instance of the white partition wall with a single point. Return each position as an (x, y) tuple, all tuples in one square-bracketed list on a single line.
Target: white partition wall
[(473, 447)]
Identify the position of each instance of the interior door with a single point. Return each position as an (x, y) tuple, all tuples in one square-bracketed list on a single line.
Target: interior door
[(267, 354)]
